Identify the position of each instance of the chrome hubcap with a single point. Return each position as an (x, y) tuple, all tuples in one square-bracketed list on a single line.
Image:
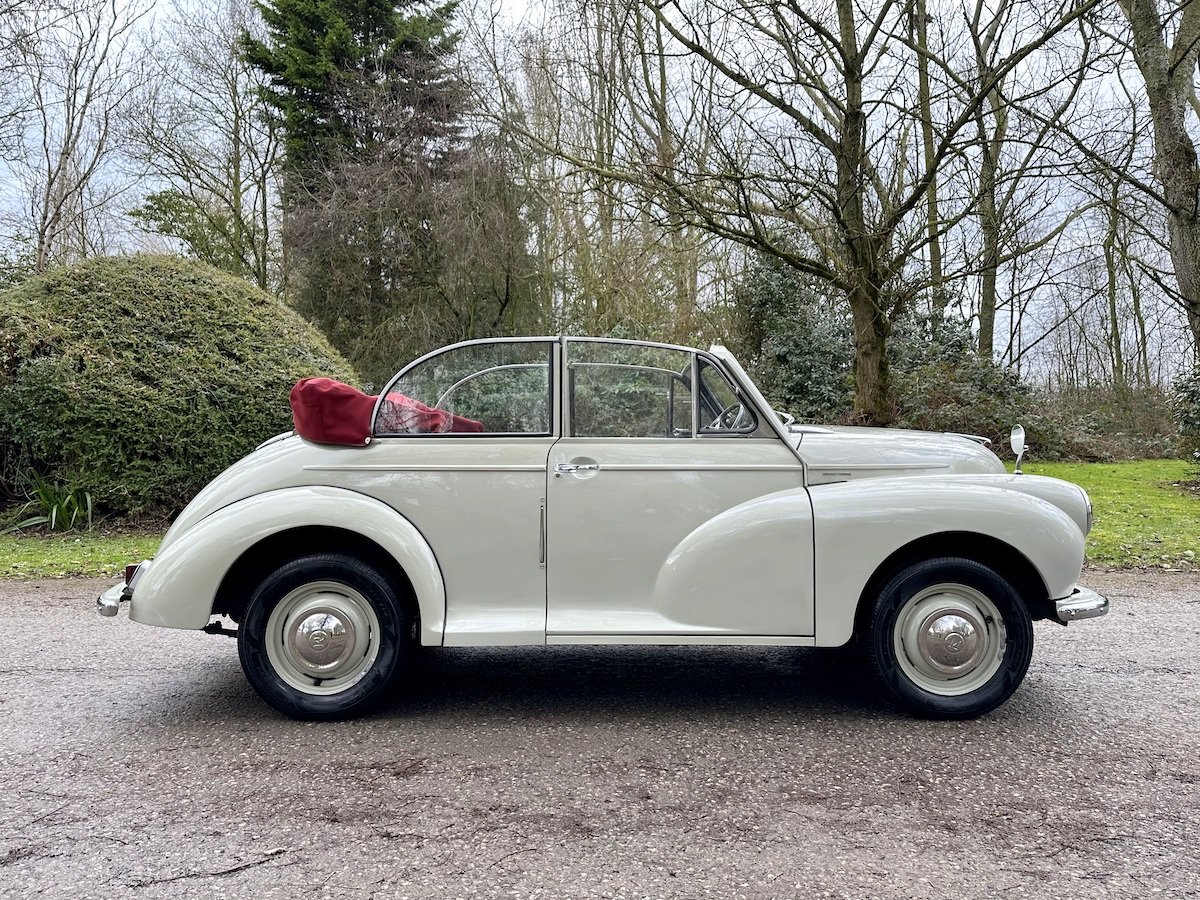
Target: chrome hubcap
[(949, 639), (323, 637), (320, 641)]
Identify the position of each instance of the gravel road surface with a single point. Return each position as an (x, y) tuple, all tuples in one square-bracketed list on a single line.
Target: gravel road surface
[(138, 763)]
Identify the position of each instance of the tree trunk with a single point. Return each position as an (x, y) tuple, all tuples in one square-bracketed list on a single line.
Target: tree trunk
[(1116, 351), (872, 376), (933, 223), (989, 227), (861, 247), (1168, 73)]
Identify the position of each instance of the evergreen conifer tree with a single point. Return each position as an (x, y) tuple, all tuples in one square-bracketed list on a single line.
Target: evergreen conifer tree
[(353, 79), (370, 103)]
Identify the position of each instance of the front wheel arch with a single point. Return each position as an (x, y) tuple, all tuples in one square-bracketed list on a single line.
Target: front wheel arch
[(988, 551)]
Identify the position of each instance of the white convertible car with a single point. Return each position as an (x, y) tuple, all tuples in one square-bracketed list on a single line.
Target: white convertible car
[(587, 491)]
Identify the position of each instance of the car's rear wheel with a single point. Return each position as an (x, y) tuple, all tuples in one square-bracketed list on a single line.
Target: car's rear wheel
[(322, 637), (950, 638)]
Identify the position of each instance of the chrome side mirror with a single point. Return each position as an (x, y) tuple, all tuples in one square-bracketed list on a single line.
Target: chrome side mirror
[(1016, 440)]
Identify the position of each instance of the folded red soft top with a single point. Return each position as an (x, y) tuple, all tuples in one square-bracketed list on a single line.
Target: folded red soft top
[(329, 412)]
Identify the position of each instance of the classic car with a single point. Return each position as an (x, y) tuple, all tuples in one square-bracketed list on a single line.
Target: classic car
[(559, 490)]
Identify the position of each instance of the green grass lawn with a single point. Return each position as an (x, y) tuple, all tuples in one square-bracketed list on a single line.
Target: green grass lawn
[(93, 553), (1145, 513), (1145, 517)]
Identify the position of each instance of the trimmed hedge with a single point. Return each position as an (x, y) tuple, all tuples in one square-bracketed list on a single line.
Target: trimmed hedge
[(140, 378)]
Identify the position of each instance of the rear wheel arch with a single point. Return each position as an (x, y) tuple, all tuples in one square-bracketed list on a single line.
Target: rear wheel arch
[(264, 557), (1002, 558)]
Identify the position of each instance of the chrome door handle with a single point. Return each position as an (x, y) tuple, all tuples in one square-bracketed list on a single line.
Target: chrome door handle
[(576, 467)]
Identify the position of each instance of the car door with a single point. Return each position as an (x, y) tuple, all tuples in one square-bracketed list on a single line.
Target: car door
[(460, 447), (664, 518)]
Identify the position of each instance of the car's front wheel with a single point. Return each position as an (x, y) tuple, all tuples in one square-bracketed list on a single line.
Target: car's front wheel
[(322, 637), (950, 637)]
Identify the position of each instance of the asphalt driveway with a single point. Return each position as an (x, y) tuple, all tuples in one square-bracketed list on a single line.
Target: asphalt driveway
[(136, 762)]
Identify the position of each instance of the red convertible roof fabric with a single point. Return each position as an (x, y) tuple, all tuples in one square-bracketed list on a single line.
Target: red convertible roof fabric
[(330, 412)]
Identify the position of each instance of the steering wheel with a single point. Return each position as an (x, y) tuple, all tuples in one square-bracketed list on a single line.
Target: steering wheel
[(731, 418)]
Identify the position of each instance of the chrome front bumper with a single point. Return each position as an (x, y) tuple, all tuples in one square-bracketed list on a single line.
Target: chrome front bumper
[(1082, 604)]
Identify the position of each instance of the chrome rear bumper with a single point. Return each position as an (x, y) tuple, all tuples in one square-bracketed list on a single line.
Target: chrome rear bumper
[(1082, 604), (109, 603)]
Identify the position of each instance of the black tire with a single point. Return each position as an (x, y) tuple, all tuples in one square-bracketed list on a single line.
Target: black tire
[(976, 638), (292, 651)]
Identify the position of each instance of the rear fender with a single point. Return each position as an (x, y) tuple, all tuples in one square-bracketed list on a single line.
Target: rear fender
[(178, 589)]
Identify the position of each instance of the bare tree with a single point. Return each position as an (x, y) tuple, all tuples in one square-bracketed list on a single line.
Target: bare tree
[(76, 73), (788, 118), (199, 128), (615, 255), (920, 21), (1025, 195), (21, 22)]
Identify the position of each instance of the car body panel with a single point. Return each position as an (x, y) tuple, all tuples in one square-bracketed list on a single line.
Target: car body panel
[(697, 566), (479, 505), (861, 524), (850, 453)]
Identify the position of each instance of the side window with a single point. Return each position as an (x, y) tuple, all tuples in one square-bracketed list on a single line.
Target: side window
[(721, 410), (623, 390), (501, 388)]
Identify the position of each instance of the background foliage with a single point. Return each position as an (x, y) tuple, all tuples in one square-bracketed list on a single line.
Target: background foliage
[(799, 344), (139, 379), (938, 249), (1185, 405)]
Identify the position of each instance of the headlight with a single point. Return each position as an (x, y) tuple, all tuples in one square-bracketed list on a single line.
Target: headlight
[(1087, 502)]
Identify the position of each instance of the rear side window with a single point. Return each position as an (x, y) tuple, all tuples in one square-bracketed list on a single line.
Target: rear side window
[(500, 388)]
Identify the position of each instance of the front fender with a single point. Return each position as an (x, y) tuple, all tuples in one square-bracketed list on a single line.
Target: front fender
[(858, 525), (178, 589)]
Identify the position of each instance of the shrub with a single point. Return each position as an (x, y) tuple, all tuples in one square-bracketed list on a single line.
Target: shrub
[(797, 342), (1185, 409), (942, 384), (1103, 423), (138, 379)]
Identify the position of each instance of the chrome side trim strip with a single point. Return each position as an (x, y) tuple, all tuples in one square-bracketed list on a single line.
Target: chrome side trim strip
[(684, 467), (701, 640), (641, 467), (878, 467), (431, 467), (977, 438)]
